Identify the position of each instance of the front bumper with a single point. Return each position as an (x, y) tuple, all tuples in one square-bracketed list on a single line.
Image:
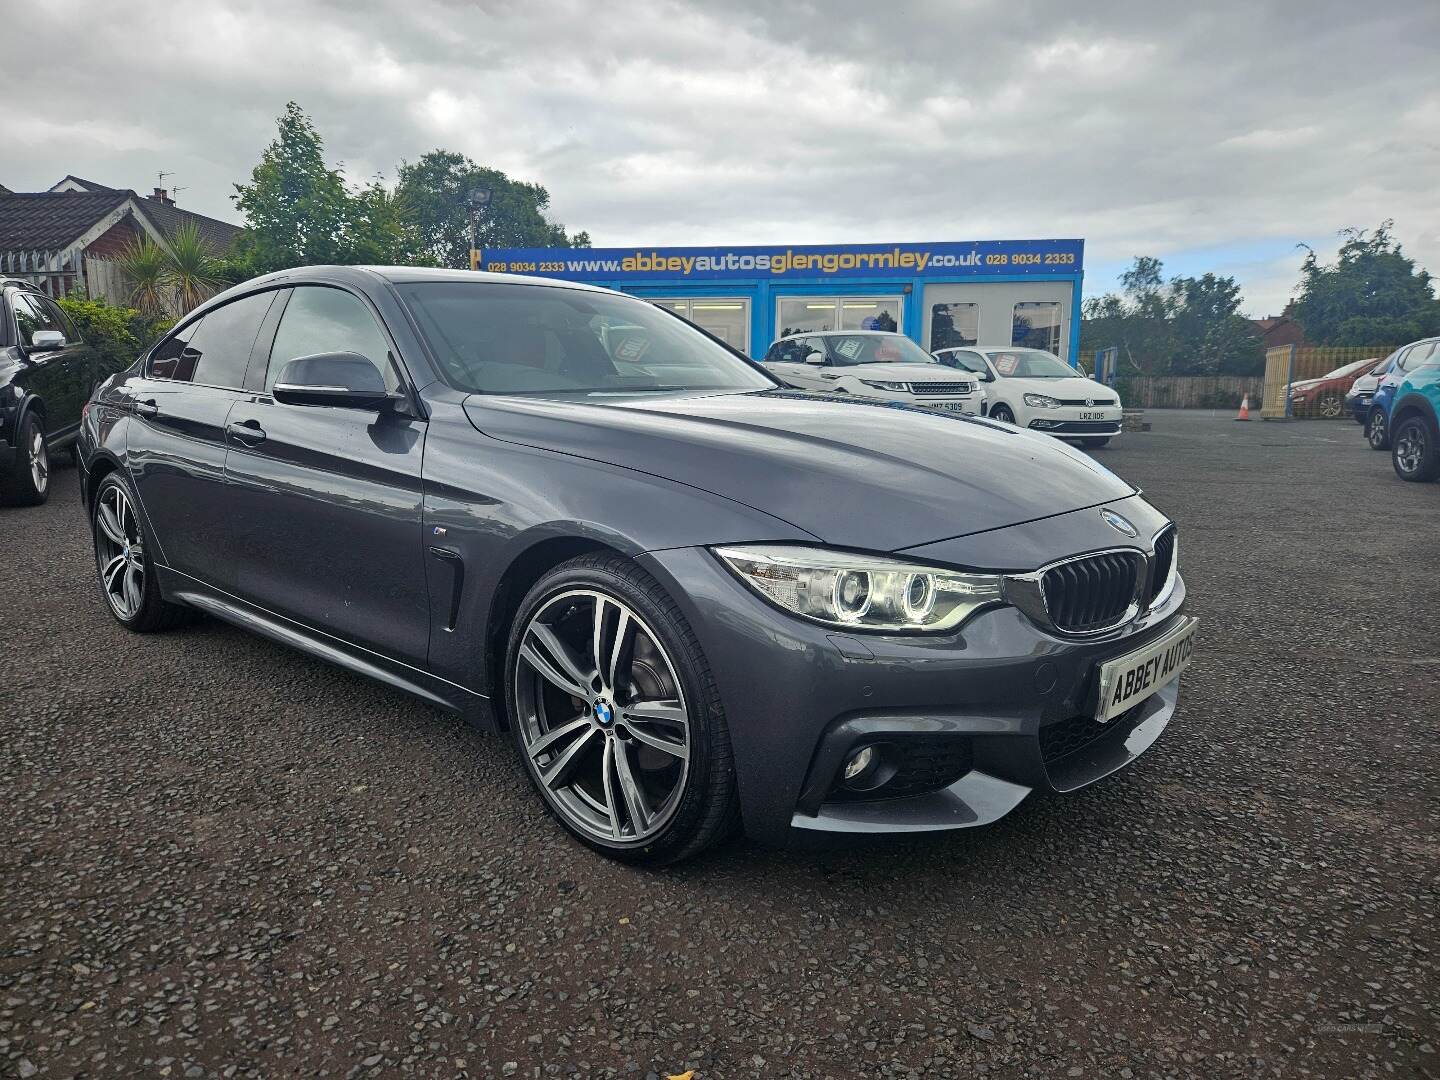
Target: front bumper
[(1076, 428), (1004, 705), (1358, 406)]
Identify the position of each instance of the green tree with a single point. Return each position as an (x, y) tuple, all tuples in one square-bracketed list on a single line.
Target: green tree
[(1186, 326), (1372, 295), (435, 194), (191, 270), (144, 265), (300, 211)]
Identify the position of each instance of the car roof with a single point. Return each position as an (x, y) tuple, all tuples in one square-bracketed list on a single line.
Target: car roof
[(842, 333)]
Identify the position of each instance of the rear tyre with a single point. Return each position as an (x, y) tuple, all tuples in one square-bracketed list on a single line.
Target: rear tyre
[(1377, 430), (1095, 444), (27, 481), (124, 565), (616, 715), (1002, 413), (1415, 454)]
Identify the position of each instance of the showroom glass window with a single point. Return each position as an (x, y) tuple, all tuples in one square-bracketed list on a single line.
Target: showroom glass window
[(803, 314), (320, 320), (725, 317), (1037, 326), (953, 326)]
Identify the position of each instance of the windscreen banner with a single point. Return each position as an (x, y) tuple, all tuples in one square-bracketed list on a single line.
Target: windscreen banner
[(984, 258)]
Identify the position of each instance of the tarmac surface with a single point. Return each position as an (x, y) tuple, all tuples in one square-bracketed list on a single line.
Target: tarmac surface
[(224, 858)]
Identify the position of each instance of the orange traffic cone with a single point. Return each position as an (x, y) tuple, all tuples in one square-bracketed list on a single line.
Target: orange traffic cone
[(1244, 408)]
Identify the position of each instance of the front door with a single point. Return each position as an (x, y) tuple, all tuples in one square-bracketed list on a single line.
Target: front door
[(61, 377), (326, 518), (789, 363), (176, 443)]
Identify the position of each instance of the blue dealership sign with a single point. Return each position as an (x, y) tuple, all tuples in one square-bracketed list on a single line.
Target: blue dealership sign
[(784, 262)]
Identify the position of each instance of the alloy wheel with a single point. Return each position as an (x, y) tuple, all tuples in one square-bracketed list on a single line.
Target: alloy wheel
[(1330, 407), (1377, 431), (119, 552), (602, 717), (1410, 448), (39, 458)]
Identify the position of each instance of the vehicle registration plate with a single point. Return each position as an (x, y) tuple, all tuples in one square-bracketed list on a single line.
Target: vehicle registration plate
[(951, 406), (1092, 416), (1130, 679)]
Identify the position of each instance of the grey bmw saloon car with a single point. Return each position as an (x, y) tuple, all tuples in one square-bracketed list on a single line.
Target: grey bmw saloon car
[(696, 600)]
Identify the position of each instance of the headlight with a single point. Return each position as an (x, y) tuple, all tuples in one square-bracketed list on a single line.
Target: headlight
[(1040, 401), (895, 387), (865, 592)]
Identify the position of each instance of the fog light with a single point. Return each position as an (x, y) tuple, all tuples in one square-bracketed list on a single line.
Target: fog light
[(859, 763)]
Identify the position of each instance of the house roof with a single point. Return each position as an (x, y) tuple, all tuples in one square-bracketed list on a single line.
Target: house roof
[(70, 181), (51, 220), (44, 221), (169, 218)]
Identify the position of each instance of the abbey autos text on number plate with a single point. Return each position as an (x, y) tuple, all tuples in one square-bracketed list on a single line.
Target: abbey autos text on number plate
[(1130, 679)]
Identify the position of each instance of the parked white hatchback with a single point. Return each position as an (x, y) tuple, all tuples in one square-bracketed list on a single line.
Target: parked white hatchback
[(1035, 389), (874, 364)]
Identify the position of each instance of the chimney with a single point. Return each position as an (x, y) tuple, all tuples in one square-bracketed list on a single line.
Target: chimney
[(160, 195)]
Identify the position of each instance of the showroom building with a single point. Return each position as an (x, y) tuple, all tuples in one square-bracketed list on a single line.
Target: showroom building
[(943, 294)]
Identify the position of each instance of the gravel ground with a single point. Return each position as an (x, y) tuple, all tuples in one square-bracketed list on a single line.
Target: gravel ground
[(226, 859)]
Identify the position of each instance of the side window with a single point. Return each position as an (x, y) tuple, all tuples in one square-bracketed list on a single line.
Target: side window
[(58, 319), (322, 320), (224, 339), (30, 316), (1417, 356), (812, 344), (168, 359)]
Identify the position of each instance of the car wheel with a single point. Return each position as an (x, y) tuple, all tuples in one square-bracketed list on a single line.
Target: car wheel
[(124, 565), (1377, 432), (1331, 407), (616, 715), (1095, 444), (27, 482), (1414, 453), (1002, 413)]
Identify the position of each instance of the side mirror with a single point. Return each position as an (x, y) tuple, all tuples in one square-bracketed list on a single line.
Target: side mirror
[(344, 380), (46, 340), (815, 356)]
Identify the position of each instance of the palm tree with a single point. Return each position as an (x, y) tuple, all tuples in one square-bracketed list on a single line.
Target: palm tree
[(145, 266), (191, 271)]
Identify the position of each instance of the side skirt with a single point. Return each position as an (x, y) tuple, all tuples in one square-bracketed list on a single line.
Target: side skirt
[(433, 690)]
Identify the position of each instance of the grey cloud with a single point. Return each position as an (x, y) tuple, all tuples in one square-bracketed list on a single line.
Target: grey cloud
[(1151, 128)]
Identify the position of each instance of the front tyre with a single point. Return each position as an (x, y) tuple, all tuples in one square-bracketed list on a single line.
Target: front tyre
[(1414, 452), (27, 481), (123, 562), (1003, 413), (616, 715), (1377, 430)]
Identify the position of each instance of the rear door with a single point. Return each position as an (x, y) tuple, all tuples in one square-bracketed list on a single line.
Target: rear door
[(176, 443), (327, 500)]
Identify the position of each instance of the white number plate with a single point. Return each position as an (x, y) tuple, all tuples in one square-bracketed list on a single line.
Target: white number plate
[(1092, 416), (1130, 679), (952, 406)]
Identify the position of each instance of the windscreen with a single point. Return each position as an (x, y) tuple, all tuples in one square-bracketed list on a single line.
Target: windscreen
[(846, 349), (527, 339), (1030, 364)]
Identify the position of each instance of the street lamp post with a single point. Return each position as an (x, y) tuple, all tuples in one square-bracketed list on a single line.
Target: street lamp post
[(478, 199)]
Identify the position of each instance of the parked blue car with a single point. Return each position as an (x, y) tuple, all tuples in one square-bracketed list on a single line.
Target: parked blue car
[(1362, 390), (1402, 361)]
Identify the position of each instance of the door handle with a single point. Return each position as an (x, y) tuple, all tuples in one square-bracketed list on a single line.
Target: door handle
[(146, 409), (246, 432)]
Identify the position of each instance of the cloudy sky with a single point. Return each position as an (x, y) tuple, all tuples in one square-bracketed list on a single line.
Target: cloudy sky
[(1217, 136)]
